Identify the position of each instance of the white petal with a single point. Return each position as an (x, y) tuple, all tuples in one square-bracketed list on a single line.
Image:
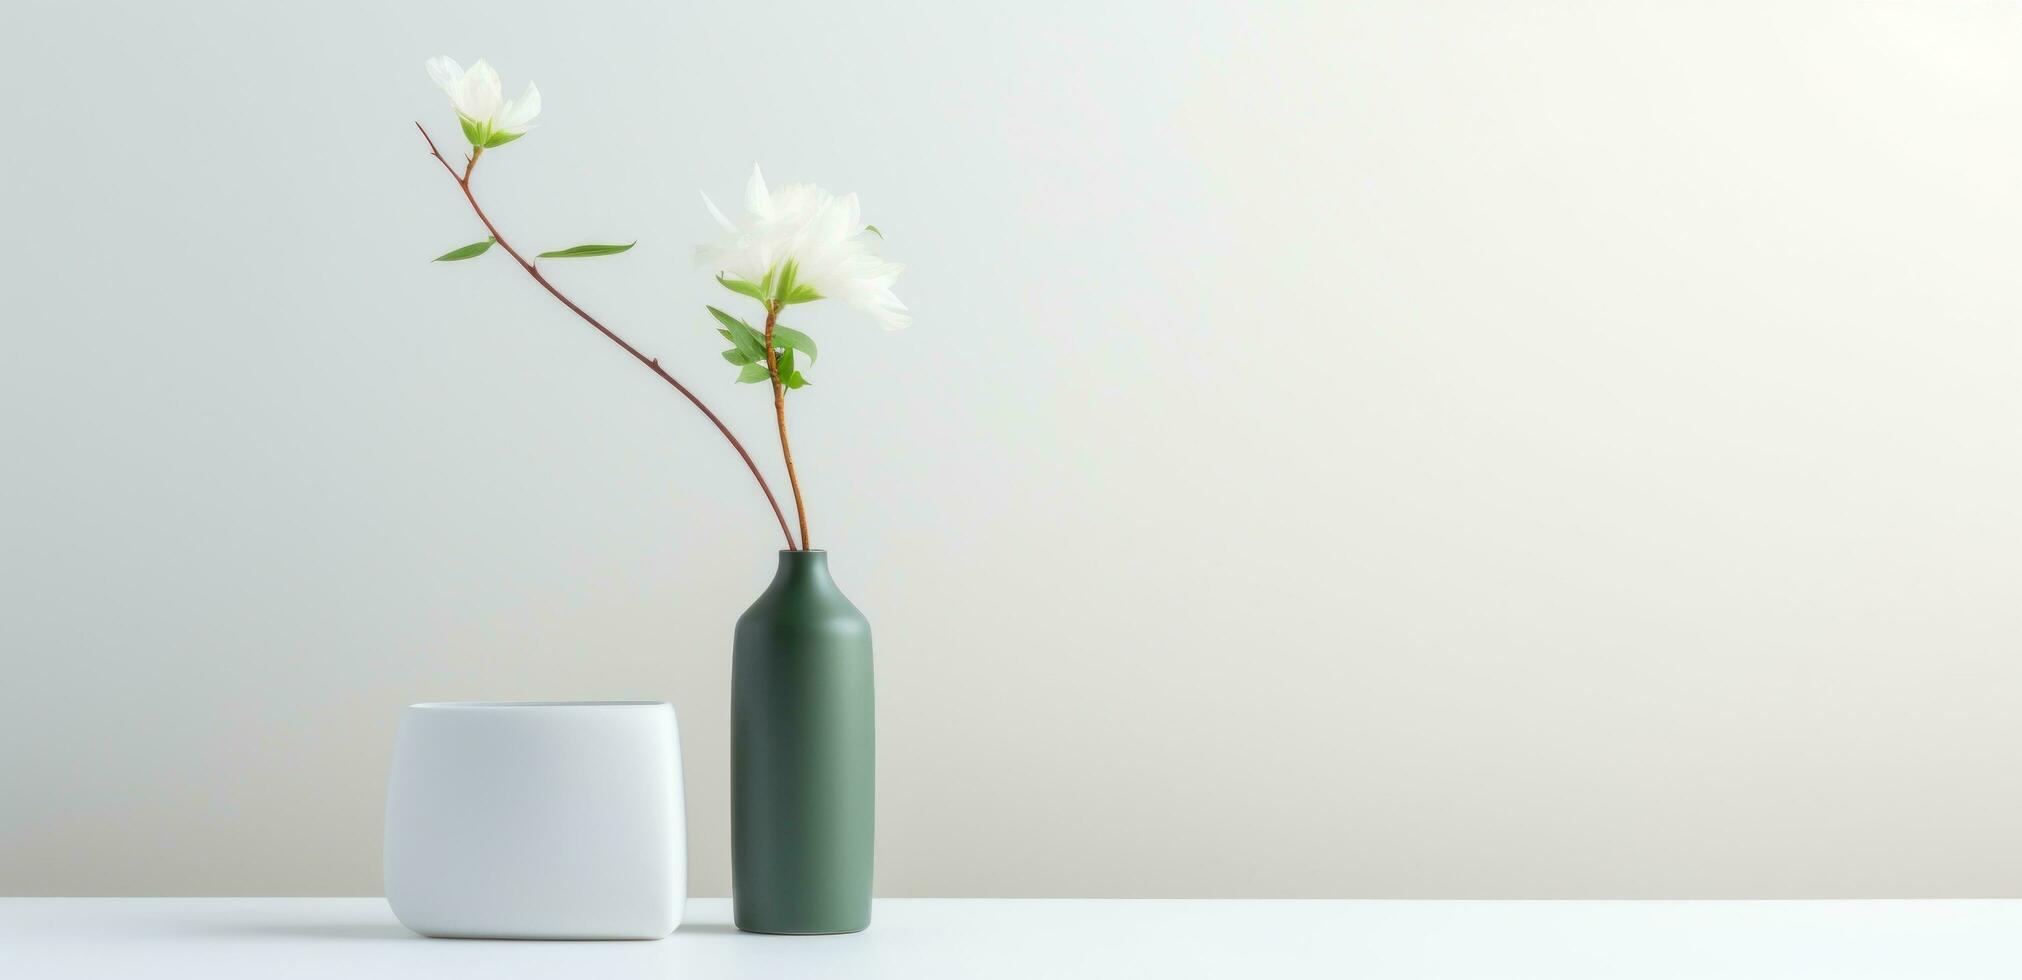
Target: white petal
[(893, 317), (518, 113), (852, 216), (479, 94), (823, 233), (884, 275), (756, 199), (718, 215), (445, 72)]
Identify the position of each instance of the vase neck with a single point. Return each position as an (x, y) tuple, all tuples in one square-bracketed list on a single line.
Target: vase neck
[(802, 568)]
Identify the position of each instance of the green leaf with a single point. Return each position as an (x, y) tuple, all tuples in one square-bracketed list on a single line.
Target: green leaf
[(737, 357), (585, 251), (787, 287), (873, 229), (791, 339), (794, 380), (765, 284), (730, 323), (740, 333), (752, 374), (741, 287), (501, 139), (470, 251), (785, 364), (473, 132), (789, 279)]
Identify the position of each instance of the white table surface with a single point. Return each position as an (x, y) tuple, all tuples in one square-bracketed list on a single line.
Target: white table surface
[(949, 939)]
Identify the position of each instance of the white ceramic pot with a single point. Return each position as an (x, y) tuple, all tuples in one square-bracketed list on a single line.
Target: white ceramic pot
[(537, 820)]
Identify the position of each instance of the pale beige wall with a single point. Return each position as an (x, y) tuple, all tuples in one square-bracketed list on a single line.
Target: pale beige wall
[(1429, 449)]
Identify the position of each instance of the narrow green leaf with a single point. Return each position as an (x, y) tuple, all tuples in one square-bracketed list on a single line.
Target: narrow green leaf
[(737, 357), (730, 323), (470, 251), (741, 287), (585, 251), (785, 358), (789, 279), (473, 133), (796, 381), (791, 339), (752, 374), (740, 333), (765, 284), (873, 229), (800, 293), (501, 139)]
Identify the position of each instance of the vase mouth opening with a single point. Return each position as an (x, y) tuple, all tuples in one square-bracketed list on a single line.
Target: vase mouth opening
[(436, 705), (803, 551)]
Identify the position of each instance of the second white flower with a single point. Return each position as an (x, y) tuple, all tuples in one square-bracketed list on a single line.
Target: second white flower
[(489, 118)]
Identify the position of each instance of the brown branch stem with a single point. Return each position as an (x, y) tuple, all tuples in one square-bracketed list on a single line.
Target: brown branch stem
[(779, 410), (652, 364)]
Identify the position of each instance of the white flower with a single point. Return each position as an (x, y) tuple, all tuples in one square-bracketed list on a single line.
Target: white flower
[(825, 238), (488, 119)]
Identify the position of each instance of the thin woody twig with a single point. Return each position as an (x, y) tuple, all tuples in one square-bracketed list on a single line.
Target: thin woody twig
[(779, 410), (651, 363)]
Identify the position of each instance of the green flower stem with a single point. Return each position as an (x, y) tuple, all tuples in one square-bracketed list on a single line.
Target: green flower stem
[(779, 409), (652, 363)]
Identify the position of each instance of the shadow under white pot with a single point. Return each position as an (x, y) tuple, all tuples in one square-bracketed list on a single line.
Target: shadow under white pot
[(537, 820)]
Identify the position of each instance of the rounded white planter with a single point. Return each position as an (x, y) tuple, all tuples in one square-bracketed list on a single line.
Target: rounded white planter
[(537, 820)]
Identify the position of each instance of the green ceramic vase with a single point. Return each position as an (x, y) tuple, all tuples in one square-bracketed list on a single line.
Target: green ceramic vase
[(802, 757)]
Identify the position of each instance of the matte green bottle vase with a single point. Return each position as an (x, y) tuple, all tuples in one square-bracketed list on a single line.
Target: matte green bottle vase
[(801, 756)]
